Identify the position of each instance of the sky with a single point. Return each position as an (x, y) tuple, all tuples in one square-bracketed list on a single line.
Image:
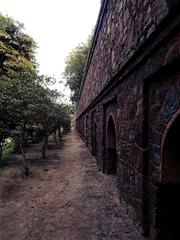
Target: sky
[(57, 26)]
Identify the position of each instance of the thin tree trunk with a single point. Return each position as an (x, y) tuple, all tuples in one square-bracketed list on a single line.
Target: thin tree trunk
[(26, 139), (24, 160), (24, 136), (44, 146), (55, 140), (59, 133), (1, 150)]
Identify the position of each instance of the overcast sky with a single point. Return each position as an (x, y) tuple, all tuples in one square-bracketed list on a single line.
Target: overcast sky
[(57, 26)]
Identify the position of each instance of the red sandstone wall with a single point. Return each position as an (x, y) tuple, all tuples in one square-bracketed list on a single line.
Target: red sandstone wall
[(126, 25), (142, 102)]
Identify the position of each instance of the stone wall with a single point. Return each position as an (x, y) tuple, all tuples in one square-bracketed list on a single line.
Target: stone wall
[(125, 26), (133, 77)]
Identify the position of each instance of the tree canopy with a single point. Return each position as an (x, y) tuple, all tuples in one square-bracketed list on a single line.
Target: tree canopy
[(17, 49), (17, 72), (75, 66)]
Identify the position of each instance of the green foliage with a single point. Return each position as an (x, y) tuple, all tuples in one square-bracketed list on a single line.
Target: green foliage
[(66, 112), (27, 105), (75, 66), (17, 74), (16, 47), (16, 136), (34, 132), (7, 151)]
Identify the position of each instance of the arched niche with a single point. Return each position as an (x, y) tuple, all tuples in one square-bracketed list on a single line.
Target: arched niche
[(86, 130), (168, 195), (111, 154), (94, 140)]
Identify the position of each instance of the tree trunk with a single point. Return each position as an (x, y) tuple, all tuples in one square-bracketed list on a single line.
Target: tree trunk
[(24, 160), (59, 133), (26, 139), (55, 140), (1, 150), (44, 146), (24, 136)]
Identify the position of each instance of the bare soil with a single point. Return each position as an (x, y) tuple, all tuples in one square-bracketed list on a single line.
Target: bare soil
[(65, 198)]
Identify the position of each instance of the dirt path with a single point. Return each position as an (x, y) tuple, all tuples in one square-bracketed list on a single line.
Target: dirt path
[(66, 198)]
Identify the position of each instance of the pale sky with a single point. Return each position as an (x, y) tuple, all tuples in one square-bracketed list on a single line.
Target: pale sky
[(57, 26)]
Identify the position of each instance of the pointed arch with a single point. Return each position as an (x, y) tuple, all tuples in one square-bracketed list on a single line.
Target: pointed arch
[(168, 200), (94, 138), (86, 129), (111, 153)]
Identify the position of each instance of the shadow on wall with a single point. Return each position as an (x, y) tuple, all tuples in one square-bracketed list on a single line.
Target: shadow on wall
[(111, 155), (168, 195)]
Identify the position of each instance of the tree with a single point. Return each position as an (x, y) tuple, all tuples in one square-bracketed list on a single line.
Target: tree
[(26, 101), (46, 109), (17, 66), (17, 75), (75, 66), (17, 49)]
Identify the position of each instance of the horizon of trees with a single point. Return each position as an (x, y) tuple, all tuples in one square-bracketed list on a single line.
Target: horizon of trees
[(75, 64)]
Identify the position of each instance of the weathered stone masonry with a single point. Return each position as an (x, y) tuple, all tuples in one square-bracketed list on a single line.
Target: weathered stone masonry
[(132, 86)]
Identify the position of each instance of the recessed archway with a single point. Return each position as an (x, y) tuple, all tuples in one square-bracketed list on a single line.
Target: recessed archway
[(86, 130), (111, 155), (94, 139), (168, 195)]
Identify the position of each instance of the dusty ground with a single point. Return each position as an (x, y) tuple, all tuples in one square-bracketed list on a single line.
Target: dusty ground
[(66, 198)]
